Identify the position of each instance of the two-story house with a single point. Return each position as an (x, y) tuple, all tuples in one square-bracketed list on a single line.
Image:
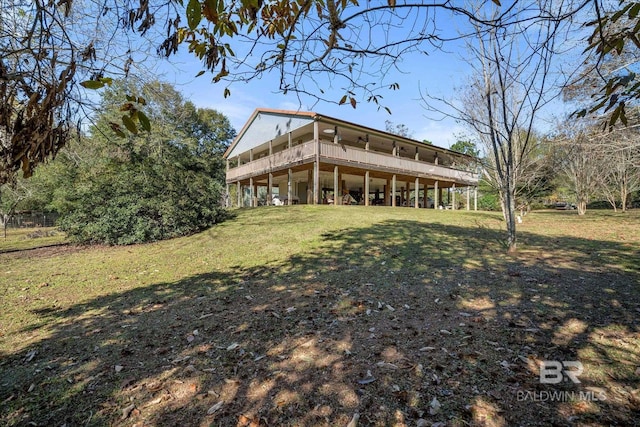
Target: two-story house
[(305, 157)]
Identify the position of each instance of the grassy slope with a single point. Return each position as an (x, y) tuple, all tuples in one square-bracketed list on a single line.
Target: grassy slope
[(56, 295)]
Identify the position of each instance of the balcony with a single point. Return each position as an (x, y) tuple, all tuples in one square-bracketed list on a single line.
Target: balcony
[(341, 154)]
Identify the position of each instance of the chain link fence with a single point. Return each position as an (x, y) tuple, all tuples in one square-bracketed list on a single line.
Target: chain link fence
[(33, 220)]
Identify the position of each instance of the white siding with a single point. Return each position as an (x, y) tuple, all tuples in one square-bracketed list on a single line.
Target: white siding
[(267, 126)]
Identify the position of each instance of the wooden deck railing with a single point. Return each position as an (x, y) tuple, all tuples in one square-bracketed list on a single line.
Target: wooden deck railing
[(278, 161), (389, 163), (353, 155)]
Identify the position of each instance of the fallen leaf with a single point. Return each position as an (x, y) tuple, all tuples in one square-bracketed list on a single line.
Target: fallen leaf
[(367, 380), (244, 421), (127, 411), (434, 406), (233, 346), (354, 420), (118, 368), (30, 355), (386, 365), (215, 408)]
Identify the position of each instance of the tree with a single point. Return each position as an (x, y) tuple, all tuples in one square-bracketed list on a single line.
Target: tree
[(619, 174), (311, 45), (397, 129), (465, 147), (578, 165), (510, 85), (615, 38), (12, 195), (150, 186), (50, 52)]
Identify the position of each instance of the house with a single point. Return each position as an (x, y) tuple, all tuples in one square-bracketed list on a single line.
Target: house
[(305, 157)]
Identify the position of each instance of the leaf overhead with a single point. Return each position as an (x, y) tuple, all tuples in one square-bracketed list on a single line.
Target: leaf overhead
[(92, 84), (194, 14)]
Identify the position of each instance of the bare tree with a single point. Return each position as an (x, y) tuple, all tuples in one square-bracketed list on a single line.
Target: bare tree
[(339, 51), (510, 85), (619, 174), (578, 162)]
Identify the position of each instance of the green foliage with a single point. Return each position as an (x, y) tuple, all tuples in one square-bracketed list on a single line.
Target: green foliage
[(616, 34), (488, 197), (164, 183), (465, 147)]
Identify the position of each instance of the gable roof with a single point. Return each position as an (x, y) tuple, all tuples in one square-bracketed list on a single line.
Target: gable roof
[(275, 123)]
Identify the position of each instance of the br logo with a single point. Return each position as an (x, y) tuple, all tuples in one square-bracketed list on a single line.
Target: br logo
[(553, 371)]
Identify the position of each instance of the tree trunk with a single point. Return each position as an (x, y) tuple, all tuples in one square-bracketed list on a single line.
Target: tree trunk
[(582, 207), (509, 214)]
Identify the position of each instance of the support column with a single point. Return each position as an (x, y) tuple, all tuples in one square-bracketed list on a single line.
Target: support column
[(227, 203), (251, 193), (475, 198), (452, 191), (425, 198), (436, 199), (408, 199), (417, 190), (289, 189), (316, 166), (366, 188), (309, 186), (393, 190), (468, 198), (336, 186), (270, 189), (387, 194), (239, 195)]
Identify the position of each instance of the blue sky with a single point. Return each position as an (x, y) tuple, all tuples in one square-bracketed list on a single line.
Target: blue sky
[(439, 72)]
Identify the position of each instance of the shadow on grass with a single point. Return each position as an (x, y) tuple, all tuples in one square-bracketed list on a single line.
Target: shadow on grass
[(379, 321)]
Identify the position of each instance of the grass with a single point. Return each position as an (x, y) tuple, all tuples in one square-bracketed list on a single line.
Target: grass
[(18, 239), (281, 313)]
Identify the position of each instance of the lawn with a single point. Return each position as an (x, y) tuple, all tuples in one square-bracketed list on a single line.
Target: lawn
[(321, 315)]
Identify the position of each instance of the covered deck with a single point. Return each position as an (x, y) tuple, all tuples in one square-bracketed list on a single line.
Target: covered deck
[(331, 161)]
